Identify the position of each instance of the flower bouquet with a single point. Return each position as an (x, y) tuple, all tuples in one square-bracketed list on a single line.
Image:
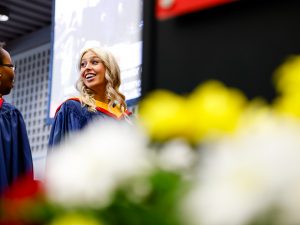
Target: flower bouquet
[(212, 157)]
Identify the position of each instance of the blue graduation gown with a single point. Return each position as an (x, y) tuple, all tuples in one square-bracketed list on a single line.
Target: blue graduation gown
[(71, 117), (15, 152)]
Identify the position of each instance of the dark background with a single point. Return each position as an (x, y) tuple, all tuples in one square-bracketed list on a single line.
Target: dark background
[(240, 43)]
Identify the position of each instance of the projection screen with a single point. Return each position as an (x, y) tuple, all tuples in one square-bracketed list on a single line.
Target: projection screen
[(77, 24)]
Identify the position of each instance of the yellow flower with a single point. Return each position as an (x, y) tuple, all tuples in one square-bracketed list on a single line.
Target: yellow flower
[(215, 109), (257, 110), (287, 81), (164, 115), (288, 104), (287, 76), (75, 219), (211, 109)]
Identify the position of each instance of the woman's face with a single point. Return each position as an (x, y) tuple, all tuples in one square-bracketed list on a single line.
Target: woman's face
[(92, 72), (7, 74)]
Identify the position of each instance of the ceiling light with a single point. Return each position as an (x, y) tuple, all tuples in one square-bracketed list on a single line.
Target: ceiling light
[(4, 13)]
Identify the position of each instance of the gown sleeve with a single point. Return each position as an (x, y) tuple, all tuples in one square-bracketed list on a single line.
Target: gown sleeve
[(69, 118), (15, 152)]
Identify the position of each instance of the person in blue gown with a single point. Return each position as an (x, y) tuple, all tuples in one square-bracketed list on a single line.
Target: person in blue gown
[(99, 96), (15, 152)]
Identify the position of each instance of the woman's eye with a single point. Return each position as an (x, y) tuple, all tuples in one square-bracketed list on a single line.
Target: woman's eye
[(95, 62), (83, 64)]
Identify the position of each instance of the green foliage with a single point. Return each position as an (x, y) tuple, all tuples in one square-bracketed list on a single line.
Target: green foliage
[(158, 207)]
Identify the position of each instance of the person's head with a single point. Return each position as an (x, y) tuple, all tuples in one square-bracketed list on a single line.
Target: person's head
[(7, 73), (99, 76)]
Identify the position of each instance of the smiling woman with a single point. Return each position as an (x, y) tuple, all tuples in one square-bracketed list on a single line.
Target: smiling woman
[(100, 98), (92, 72), (122, 22)]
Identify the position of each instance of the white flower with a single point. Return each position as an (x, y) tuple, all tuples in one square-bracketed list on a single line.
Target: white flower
[(244, 176), (85, 170), (176, 155), (290, 203)]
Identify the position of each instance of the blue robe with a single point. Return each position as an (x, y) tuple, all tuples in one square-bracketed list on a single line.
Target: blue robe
[(71, 116), (15, 152)]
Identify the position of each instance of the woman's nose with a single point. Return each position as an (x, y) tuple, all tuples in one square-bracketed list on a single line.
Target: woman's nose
[(88, 65)]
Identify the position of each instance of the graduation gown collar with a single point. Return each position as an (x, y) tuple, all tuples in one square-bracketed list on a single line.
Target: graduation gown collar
[(1, 102), (114, 112)]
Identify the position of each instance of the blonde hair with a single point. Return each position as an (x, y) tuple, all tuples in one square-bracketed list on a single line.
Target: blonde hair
[(112, 76)]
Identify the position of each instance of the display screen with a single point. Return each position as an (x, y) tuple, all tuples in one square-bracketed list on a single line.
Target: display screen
[(78, 24)]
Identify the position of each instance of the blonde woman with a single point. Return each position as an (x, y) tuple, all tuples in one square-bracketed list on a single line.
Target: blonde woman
[(100, 97)]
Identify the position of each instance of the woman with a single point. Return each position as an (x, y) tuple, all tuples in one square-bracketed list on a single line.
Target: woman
[(99, 98), (15, 152)]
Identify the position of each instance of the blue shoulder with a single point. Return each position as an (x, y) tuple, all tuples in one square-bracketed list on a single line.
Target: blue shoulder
[(71, 107), (9, 107)]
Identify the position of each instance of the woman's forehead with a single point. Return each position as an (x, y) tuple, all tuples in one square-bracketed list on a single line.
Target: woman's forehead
[(89, 54)]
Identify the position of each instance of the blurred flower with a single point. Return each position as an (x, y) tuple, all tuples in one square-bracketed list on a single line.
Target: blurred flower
[(23, 194), (287, 83), (176, 155), (290, 203), (287, 76), (75, 219), (165, 116), (247, 175), (86, 170), (288, 105), (212, 109), (215, 109)]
